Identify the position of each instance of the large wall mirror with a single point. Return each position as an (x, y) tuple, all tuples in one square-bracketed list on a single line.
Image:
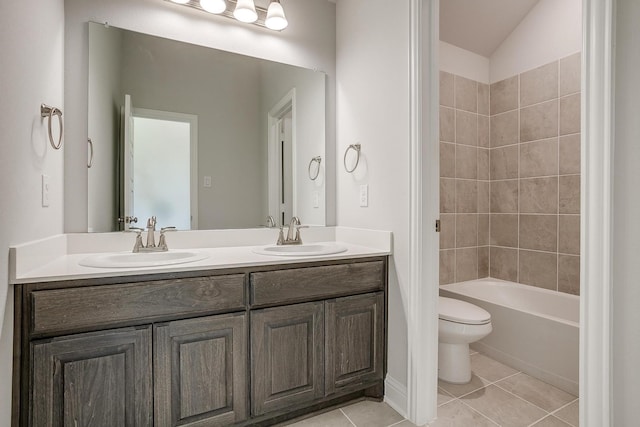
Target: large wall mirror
[(200, 138)]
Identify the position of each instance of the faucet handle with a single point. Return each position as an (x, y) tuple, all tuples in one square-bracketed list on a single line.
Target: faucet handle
[(136, 230), (171, 228)]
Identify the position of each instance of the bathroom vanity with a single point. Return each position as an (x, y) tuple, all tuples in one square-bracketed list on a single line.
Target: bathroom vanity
[(251, 345)]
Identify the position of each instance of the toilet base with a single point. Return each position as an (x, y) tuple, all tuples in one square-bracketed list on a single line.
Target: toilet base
[(454, 363)]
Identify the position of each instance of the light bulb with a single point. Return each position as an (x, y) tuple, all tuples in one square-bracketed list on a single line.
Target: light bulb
[(213, 6), (245, 11), (275, 16), (180, 1)]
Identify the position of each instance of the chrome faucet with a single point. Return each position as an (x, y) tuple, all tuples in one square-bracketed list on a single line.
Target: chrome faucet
[(294, 224)]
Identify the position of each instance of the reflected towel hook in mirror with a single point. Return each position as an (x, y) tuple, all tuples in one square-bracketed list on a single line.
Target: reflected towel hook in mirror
[(356, 148), (317, 159), (48, 112)]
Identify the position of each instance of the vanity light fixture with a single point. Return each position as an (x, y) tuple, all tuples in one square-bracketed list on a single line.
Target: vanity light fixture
[(242, 10)]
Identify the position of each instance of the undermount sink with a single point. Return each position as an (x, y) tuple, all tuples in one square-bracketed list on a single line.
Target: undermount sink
[(312, 249), (142, 259)]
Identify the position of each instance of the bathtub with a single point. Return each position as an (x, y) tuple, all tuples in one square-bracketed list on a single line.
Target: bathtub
[(534, 330)]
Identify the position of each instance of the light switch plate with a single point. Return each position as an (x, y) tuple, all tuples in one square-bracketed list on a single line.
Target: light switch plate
[(316, 199), (207, 182), (364, 195), (46, 187)]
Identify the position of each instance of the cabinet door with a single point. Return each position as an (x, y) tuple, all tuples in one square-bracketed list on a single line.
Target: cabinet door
[(96, 379), (286, 356), (354, 331), (200, 368)]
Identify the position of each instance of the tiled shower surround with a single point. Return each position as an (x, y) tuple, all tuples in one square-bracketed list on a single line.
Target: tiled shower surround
[(510, 177)]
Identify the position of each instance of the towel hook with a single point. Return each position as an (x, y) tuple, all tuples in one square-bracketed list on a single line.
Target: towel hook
[(48, 112), (313, 160), (356, 148)]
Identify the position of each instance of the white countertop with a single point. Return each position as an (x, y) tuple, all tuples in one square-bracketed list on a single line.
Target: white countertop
[(56, 258)]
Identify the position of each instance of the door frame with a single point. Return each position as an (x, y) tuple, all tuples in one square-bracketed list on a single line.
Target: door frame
[(286, 103), (596, 208), (192, 119)]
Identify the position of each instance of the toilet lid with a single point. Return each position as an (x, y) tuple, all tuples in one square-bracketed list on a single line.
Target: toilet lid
[(458, 311)]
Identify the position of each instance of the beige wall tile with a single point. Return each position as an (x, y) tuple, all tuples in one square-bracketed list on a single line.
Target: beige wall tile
[(466, 230), (447, 124), (484, 105), (570, 194), (569, 274), (484, 171), (447, 231), (466, 94), (483, 262), (466, 162), (503, 263), (570, 74), (447, 195), (504, 95), (539, 195), (569, 154), (539, 84), (504, 162), (539, 269), (446, 89), (569, 234), (504, 230), (504, 196), (466, 264), (447, 266), (484, 196), (539, 121), (447, 160), (466, 128), (504, 129), (466, 196), (539, 158), (570, 114), (483, 230), (484, 131), (539, 232)]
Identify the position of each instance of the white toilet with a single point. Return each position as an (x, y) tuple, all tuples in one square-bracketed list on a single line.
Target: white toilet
[(459, 324)]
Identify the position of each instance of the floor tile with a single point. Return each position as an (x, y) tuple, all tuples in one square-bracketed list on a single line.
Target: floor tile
[(334, 418), (537, 392), (489, 369), (570, 413), (372, 414), (457, 414), (503, 407), (406, 423), (443, 397), (551, 421), (458, 390)]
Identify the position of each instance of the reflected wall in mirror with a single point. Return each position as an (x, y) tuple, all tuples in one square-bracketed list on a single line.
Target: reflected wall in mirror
[(258, 124)]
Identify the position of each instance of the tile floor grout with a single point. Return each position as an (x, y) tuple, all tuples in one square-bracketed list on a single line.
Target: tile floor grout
[(347, 417)]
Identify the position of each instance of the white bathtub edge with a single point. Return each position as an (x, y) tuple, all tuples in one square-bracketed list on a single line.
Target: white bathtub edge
[(550, 378)]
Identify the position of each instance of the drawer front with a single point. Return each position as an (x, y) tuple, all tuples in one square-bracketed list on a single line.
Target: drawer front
[(299, 284), (93, 306)]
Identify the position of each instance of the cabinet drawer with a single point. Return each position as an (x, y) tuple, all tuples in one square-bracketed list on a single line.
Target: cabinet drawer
[(298, 284), (94, 306)]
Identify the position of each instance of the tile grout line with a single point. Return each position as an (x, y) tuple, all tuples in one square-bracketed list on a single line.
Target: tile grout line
[(577, 399), (477, 411), (347, 417)]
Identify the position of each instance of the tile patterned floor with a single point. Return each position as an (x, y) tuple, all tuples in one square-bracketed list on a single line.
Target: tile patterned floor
[(496, 396)]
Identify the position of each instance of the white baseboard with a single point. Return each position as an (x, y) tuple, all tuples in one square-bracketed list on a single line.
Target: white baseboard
[(395, 395)]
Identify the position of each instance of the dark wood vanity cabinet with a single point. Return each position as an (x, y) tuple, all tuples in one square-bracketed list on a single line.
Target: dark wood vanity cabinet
[(248, 346)]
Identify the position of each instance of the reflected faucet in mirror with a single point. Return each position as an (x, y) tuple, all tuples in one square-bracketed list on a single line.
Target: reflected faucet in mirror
[(151, 244)]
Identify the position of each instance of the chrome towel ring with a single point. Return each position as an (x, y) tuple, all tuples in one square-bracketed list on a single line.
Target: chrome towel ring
[(48, 112), (317, 159), (356, 148)]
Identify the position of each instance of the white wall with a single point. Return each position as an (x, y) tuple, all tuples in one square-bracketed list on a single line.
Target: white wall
[(104, 120), (31, 48), (552, 30), (310, 132), (309, 42), (372, 59), (626, 227), (462, 62)]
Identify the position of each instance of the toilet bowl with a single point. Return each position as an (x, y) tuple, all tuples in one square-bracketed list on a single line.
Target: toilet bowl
[(459, 324)]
